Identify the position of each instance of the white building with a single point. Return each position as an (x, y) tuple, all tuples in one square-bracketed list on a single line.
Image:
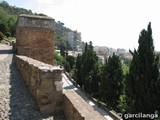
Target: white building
[(120, 51), (101, 57), (74, 40)]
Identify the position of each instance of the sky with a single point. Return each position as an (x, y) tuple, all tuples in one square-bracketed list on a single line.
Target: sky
[(111, 23)]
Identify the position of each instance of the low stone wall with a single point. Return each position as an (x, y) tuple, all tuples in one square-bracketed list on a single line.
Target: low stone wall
[(111, 113), (44, 82), (75, 108)]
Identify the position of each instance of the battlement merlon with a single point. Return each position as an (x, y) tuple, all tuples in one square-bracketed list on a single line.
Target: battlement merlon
[(35, 21)]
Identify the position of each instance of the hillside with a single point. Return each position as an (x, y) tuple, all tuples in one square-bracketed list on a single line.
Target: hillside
[(13, 10), (8, 17)]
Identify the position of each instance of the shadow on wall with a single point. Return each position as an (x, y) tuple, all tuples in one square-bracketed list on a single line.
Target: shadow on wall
[(5, 52), (22, 104)]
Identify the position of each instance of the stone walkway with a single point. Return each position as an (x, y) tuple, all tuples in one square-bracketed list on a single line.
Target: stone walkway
[(4, 51), (16, 103)]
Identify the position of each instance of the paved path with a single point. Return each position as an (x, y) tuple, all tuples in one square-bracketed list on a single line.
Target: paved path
[(16, 103), (4, 51)]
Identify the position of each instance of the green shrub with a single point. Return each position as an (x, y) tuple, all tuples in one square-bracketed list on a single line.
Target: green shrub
[(58, 59), (1, 36), (67, 66), (8, 34)]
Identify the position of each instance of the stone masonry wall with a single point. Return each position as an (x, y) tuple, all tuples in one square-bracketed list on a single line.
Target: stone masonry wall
[(35, 37), (34, 40), (75, 108), (44, 82)]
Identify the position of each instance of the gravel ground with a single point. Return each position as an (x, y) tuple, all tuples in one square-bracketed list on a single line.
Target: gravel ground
[(16, 103)]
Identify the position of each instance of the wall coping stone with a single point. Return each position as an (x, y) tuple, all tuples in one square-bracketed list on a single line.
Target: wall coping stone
[(35, 21), (44, 82), (35, 16), (80, 107), (40, 65)]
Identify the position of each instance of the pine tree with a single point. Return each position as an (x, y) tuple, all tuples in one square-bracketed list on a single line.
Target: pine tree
[(112, 82), (142, 83)]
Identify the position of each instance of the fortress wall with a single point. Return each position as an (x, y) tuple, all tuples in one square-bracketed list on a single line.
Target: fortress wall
[(35, 37), (44, 82)]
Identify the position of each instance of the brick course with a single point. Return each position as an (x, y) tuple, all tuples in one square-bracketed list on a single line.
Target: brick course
[(35, 39)]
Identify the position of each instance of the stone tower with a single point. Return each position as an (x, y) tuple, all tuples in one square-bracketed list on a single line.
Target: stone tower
[(35, 37)]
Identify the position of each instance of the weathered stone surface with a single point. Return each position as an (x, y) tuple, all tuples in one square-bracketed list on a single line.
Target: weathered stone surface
[(75, 108), (35, 37), (35, 40), (41, 79), (35, 21), (16, 102), (50, 99)]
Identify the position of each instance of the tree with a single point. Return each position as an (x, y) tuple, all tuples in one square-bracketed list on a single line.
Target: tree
[(3, 20), (95, 80), (142, 83), (8, 34), (89, 59), (87, 71), (67, 66), (78, 70), (112, 82), (71, 61), (1, 36), (62, 45), (58, 59), (11, 23), (8, 17)]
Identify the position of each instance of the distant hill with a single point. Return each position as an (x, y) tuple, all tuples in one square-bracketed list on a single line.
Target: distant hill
[(13, 10), (8, 17)]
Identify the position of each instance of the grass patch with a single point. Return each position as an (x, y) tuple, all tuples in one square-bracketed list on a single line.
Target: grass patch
[(3, 41), (11, 38)]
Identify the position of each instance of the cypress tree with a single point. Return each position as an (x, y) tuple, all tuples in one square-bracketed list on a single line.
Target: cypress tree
[(78, 70), (89, 59), (112, 82), (96, 74), (142, 83)]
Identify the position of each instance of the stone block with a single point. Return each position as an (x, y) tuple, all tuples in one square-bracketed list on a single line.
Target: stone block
[(46, 87), (44, 100), (56, 96), (49, 108)]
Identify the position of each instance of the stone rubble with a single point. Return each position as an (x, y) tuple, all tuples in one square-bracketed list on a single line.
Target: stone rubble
[(16, 102)]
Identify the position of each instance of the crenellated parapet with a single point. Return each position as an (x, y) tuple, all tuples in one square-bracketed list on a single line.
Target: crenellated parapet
[(44, 82)]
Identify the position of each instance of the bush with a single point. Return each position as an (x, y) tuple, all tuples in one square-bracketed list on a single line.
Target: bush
[(71, 61), (67, 66), (8, 34), (58, 59), (1, 36)]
